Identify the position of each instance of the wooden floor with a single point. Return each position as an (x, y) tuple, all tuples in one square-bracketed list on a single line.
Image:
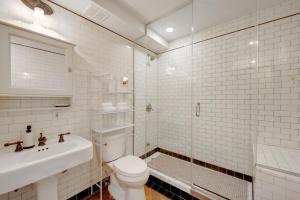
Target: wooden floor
[(153, 195), (150, 195)]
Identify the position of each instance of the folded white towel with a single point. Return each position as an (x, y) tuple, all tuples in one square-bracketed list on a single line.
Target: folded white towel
[(122, 106), (108, 109), (107, 104)]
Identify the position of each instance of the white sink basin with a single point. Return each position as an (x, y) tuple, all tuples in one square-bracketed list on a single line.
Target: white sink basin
[(18, 169)]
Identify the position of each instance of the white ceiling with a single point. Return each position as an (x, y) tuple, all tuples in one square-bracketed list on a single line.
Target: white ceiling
[(150, 10), (209, 13), (181, 21), (119, 19), (131, 17), (75, 5), (202, 14)]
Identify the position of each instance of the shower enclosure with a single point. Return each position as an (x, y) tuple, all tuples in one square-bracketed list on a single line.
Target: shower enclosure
[(223, 92), (198, 132), (220, 96)]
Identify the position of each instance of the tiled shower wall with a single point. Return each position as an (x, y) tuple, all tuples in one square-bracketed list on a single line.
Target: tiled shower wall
[(278, 99), (278, 83), (145, 73), (97, 50), (231, 88), (174, 101), (222, 71)]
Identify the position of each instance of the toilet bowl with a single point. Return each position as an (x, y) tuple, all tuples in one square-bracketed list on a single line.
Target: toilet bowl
[(130, 173)]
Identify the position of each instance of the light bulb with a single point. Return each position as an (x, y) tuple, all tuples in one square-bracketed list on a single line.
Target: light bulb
[(169, 29), (125, 80), (38, 13)]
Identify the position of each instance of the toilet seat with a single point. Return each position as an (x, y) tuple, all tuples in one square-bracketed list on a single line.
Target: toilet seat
[(130, 166)]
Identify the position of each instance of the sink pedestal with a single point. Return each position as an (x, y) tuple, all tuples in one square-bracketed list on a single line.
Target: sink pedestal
[(47, 188), (42, 165)]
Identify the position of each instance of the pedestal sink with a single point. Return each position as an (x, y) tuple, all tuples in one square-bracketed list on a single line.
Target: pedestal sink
[(41, 165)]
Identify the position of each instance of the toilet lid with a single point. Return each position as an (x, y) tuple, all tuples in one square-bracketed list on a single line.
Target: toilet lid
[(130, 166)]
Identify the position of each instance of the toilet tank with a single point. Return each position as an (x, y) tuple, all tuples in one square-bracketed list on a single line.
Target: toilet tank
[(113, 146)]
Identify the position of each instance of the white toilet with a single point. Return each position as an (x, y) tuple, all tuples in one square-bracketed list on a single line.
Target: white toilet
[(130, 173)]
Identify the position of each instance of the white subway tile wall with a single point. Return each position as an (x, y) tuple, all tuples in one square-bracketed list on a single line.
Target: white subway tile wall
[(145, 93), (278, 83), (174, 101), (237, 97), (273, 185), (27, 73), (225, 79), (151, 98), (222, 84), (140, 60), (278, 98), (96, 51)]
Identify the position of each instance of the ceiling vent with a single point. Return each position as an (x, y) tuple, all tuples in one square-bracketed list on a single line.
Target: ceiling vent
[(96, 13)]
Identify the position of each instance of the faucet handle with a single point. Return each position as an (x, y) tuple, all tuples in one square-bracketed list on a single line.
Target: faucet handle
[(19, 146), (42, 140), (61, 136)]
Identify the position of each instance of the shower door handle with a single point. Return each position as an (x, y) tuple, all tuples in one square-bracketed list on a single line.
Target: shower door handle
[(198, 109)]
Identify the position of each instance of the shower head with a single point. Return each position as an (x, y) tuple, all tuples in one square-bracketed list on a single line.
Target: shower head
[(151, 58)]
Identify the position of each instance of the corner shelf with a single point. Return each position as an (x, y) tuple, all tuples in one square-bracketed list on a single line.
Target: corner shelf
[(113, 128)]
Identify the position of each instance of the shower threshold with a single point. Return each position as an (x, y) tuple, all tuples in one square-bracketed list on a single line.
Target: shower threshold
[(207, 183)]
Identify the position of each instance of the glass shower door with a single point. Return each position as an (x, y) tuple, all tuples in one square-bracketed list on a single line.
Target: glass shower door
[(224, 61), (168, 96)]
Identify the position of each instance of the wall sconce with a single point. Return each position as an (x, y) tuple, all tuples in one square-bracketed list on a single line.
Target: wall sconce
[(125, 80), (39, 7)]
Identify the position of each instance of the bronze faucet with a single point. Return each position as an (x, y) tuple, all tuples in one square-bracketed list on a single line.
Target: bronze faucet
[(42, 140), (18, 147), (61, 137)]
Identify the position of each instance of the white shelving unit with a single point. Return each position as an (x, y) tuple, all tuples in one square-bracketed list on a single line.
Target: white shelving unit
[(113, 128), (108, 122), (112, 95), (113, 112)]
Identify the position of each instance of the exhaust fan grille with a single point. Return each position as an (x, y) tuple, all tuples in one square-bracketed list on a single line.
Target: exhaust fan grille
[(95, 13)]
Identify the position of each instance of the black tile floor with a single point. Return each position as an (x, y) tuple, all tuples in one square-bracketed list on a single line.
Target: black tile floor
[(168, 190)]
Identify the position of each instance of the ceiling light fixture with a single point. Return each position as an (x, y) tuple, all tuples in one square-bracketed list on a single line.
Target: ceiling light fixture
[(40, 8), (169, 29)]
